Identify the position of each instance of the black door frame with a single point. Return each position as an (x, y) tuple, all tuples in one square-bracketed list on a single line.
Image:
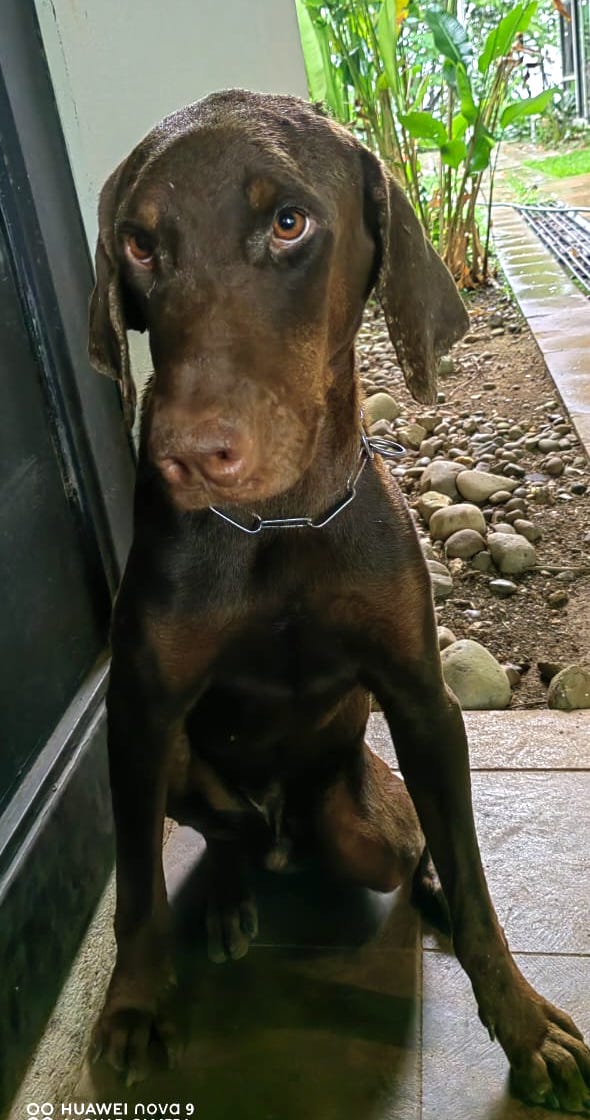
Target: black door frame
[(56, 844)]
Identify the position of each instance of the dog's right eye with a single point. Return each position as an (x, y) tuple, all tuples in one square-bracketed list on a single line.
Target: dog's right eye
[(289, 226), (139, 248)]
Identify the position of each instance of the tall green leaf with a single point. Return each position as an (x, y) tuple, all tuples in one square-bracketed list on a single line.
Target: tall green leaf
[(500, 40), (386, 38), (423, 126), (459, 126), (449, 35), (481, 150), (449, 71), (468, 106), (317, 78), (527, 107), (453, 153), (335, 96)]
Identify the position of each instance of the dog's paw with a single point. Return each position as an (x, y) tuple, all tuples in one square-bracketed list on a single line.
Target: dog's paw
[(557, 1073), (123, 1038), (230, 929)]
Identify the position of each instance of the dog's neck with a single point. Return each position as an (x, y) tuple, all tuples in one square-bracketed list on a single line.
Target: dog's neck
[(336, 456)]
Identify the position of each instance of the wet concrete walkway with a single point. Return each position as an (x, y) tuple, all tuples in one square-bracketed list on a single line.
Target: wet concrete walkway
[(558, 314)]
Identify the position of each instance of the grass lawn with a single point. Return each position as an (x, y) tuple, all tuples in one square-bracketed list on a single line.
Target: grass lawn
[(576, 162)]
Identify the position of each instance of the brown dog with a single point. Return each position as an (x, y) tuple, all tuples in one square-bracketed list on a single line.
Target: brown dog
[(275, 578)]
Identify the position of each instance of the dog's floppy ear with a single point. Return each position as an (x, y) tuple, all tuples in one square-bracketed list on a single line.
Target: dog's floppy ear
[(112, 313), (422, 307)]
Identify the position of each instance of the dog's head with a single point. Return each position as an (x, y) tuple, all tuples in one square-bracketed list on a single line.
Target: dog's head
[(245, 234)]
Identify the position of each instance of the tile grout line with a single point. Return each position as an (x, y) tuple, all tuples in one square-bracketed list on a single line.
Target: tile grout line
[(421, 1023), (529, 769), (517, 953)]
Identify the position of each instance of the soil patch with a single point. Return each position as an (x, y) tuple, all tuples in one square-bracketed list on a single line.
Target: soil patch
[(499, 411)]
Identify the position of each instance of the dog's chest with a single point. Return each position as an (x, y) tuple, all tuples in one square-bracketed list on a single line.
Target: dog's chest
[(291, 656), (262, 723)]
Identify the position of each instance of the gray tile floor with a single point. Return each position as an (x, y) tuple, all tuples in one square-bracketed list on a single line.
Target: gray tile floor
[(347, 1009)]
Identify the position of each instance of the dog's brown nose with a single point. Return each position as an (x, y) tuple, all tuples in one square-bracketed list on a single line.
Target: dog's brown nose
[(223, 456)]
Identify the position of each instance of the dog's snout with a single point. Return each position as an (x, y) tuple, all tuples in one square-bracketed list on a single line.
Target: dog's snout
[(221, 454)]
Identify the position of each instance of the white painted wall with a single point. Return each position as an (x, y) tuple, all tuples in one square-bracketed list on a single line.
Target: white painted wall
[(118, 66)]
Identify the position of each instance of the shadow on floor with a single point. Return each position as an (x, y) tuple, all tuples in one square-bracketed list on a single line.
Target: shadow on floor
[(320, 1020)]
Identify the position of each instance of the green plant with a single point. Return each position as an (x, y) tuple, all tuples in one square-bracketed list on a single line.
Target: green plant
[(433, 101), (561, 124), (520, 189), (575, 162)]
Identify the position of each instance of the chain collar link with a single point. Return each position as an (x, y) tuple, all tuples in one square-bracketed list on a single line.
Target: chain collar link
[(370, 446)]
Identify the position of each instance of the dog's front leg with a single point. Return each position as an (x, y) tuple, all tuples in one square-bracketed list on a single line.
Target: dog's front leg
[(157, 671), (138, 735), (549, 1062)]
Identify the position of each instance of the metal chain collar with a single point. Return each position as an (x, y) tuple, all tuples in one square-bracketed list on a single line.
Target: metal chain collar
[(370, 446)]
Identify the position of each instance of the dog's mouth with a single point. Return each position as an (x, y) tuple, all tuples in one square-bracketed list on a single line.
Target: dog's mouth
[(200, 494), (193, 491)]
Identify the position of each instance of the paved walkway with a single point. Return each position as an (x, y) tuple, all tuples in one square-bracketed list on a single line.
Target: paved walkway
[(557, 312)]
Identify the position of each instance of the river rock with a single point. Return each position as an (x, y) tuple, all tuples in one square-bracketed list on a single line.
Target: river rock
[(445, 522), (441, 476), (435, 565), (441, 580), (380, 428), (429, 502), (473, 674), (516, 504), (557, 599), (554, 466), (511, 553), (528, 529), (442, 585), (482, 562), (478, 486), (380, 406), (411, 435), (428, 420), (427, 549), (502, 587), (464, 544), (429, 447), (445, 637), (446, 366), (540, 495), (569, 690)]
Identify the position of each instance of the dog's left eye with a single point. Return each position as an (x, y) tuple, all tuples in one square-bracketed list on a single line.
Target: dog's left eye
[(290, 225), (139, 248)]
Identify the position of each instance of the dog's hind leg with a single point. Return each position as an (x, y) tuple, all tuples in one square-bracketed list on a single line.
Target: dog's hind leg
[(368, 828), (370, 834)]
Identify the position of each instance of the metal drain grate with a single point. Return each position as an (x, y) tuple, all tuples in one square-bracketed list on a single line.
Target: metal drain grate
[(566, 234)]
